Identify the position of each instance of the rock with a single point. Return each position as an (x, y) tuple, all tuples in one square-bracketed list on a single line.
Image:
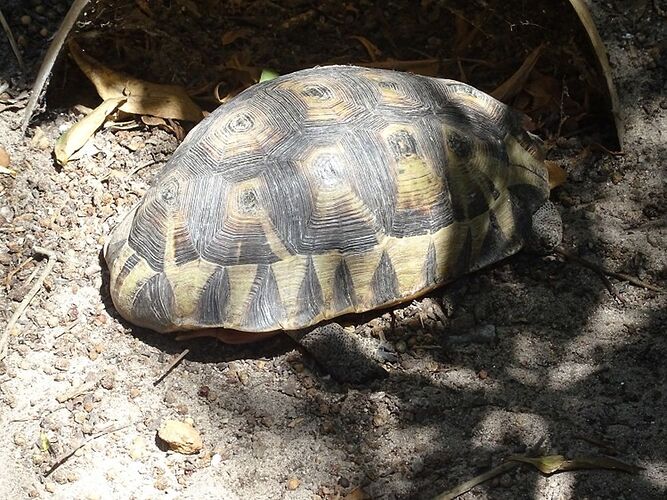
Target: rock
[(181, 437)]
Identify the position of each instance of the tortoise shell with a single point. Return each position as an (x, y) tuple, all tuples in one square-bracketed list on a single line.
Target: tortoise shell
[(324, 192)]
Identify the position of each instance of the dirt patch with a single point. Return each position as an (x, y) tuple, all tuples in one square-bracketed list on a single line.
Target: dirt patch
[(567, 362)]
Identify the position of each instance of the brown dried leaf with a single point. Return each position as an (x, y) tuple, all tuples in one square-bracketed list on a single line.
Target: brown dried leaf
[(557, 174), (141, 97), (514, 84), (598, 46), (77, 136), (551, 464), (373, 52)]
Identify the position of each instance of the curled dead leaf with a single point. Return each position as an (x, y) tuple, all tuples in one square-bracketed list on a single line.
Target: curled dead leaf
[(141, 97), (373, 52), (77, 136), (514, 84)]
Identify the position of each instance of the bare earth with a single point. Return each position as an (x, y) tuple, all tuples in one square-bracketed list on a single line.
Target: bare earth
[(568, 363)]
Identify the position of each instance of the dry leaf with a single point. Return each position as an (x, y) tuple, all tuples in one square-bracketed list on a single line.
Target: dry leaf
[(557, 174), (373, 52), (141, 97), (153, 121), (514, 84), (587, 20), (551, 464), (77, 136)]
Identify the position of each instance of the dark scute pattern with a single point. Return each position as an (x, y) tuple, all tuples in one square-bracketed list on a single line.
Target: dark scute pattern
[(462, 264), (153, 305), (384, 283), (214, 299), (132, 261), (234, 245), (412, 222), (528, 197), (468, 189), (495, 244), (460, 145), (113, 249), (310, 298), (343, 288), (430, 266), (265, 309), (184, 249), (148, 232), (403, 144)]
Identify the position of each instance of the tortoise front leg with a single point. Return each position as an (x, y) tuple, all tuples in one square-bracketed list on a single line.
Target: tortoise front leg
[(347, 357)]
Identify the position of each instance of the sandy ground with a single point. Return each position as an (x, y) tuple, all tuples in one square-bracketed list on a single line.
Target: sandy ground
[(569, 365)]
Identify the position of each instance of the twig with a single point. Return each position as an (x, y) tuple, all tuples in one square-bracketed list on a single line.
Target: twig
[(141, 167), (4, 340), (602, 271), (171, 366), (50, 59), (12, 41), (70, 453), (13, 272)]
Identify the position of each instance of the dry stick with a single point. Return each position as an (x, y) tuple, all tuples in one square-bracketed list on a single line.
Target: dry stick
[(50, 59), (171, 366), (12, 41), (70, 453), (4, 340), (602, 271)]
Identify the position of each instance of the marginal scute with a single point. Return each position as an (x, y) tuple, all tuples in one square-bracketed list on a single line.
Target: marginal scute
[(384, 283), (214, 298), (344, 296), (309, 299), (265, 307), (324, 192), (154, 303)]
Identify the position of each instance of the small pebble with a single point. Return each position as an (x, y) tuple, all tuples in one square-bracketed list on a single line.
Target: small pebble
[(4, 157), (26, 20), (181, 437), (216, 459), (108, 381), (293, 484)]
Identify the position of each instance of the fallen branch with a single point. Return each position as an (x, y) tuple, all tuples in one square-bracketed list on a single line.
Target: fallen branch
[(70, 453), (12, 41), (50, 59), (602, 271), (4, 340)]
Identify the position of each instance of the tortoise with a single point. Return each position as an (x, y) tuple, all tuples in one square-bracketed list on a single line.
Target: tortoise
[(324, 192)]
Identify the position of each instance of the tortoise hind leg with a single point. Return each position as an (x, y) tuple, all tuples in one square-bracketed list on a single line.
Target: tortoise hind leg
[(347, 357)]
